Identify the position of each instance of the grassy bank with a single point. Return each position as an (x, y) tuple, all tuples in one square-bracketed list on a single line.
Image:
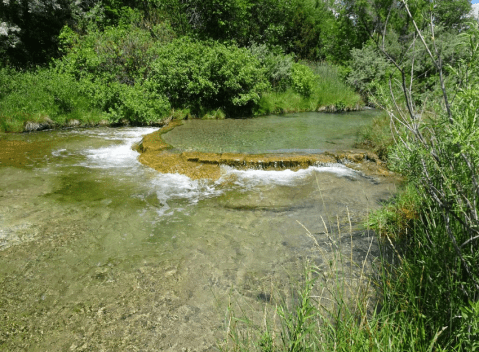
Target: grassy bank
[(328, 93), (40, 97), (129, 74), (46, 98), (410, 299)]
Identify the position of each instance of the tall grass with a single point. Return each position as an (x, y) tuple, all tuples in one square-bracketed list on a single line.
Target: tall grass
[(377, 136), (42, 96), (371, 305), (332, 90), (329, 93)]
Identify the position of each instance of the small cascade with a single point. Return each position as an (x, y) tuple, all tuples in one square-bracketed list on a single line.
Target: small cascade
[(157, 154)]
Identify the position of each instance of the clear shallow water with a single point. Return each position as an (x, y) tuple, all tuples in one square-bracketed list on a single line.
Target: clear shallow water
[(98, 252), (310, 132)]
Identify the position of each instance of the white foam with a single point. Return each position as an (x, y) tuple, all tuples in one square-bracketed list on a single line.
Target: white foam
[(59, 152), (121, 156), (176, 186), (251, 178), (117, 134), (170, 187), (115, 156)]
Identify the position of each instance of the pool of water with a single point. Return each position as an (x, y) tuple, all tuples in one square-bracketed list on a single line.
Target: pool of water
[(310, 132), (100, 253)]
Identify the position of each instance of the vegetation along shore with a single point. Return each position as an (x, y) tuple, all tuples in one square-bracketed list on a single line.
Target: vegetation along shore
[(66, 63)]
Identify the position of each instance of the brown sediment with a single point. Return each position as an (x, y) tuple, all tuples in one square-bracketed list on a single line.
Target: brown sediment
[(19, 153), (153, 141), (155, 153)]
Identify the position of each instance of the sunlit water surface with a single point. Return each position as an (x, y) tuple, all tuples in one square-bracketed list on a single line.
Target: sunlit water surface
[(99, 253), (308, 132)]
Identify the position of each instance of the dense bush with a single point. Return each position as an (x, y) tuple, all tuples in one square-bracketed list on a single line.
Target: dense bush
[(117, 54), (368, 68), (125, 60), (211, 75), (302, 79), (438, 278), (200, 76), (42, 95), (140, 104), (278, 67)]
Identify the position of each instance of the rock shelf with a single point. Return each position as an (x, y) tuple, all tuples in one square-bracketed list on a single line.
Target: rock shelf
[(157, 154)]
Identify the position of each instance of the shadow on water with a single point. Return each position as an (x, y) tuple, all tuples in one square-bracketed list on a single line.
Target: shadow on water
[(98, 252)]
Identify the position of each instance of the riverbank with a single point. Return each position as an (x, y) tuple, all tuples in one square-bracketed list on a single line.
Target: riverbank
[(65, 96)]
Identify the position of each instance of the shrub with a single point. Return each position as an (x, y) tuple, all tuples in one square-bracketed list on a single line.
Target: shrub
[(367, 68), (278, 66), (138, 104), (120, 54), (209, 76), (43, 94), (302, 79)]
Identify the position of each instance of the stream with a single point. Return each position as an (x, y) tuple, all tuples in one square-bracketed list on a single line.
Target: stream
[(101, 253)]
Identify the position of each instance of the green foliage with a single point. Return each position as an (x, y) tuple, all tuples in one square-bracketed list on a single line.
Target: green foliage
[(42, 95), (396, 220), (439, 155), (137, 104), (296, 26), (377, 136), (342, 35), (452, 14), (310, 29), (328, 311), (368, 69), (278, 67), (284, 102), (428, 278), (110, 67), (298, 323), (200, 75), (331, 91), (328, 93), (468, 334), (137, 74), (119, 54), (302, 79)]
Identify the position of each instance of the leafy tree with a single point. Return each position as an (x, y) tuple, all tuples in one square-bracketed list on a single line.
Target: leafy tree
[(451, 14), (294, 25), (29, 28)]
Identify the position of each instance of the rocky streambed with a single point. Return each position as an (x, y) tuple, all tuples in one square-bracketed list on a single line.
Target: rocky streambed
[(99, 252)]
